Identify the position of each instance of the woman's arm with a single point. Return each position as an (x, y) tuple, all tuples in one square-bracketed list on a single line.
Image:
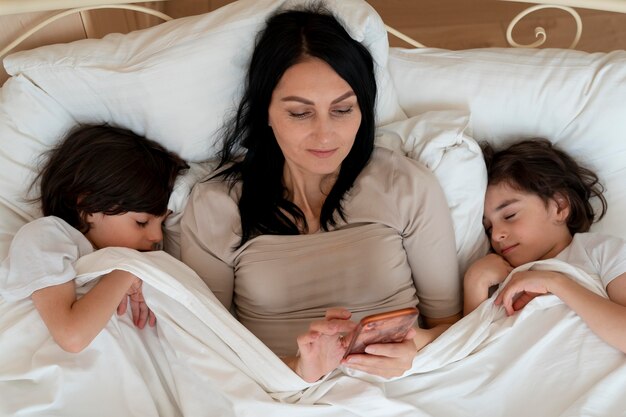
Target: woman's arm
[(429, 241), (434, 328), (74, 323), (206, 227), (605, 317)]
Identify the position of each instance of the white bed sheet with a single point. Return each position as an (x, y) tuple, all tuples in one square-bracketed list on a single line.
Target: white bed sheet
[(199, 361)]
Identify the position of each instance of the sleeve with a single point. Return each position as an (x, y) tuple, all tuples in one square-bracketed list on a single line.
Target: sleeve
[(42, 254), (609, 255), (208, 238), (428, 238)]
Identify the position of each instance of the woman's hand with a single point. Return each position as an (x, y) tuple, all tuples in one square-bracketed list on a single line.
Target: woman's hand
[(138, 307), (323, 346), (385, 359)]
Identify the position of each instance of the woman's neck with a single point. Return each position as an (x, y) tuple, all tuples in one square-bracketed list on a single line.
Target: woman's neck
[(308, 192)]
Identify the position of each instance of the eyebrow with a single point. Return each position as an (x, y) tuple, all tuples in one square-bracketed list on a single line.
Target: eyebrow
[(305, 101), (506, 203)]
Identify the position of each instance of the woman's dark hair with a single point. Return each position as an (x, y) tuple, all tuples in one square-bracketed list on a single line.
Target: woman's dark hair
[(249, 143), (537, 167), (103, 169)]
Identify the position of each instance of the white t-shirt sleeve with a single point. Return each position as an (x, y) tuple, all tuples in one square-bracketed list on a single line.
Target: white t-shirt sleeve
[(42, 254), (609, 255)]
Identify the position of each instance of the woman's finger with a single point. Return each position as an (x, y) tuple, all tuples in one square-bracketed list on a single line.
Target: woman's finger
[(332, 327), (337, 313)]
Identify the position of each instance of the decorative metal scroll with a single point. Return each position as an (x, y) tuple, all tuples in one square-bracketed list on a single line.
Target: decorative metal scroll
[(404, 37), (540, 32), (64, 13)]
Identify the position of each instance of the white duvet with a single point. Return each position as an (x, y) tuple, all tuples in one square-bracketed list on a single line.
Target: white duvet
[(199, 361)]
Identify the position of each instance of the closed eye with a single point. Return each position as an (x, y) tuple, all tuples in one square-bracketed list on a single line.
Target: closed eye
[(343, 111), (141, 224), (299, 115)]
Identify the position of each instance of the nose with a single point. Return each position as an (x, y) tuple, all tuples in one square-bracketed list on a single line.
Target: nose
[(155, 233), (323, 129), (498, 233)]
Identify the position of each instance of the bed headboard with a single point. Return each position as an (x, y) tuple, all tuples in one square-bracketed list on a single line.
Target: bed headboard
[(27, 6)]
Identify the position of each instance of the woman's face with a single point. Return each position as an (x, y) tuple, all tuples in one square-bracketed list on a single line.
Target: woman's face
[(315, 117)]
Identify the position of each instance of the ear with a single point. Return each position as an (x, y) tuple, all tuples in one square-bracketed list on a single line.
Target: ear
[(87, 218), (562, 207)]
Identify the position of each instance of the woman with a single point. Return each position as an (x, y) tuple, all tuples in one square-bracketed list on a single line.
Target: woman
[(307, 216)]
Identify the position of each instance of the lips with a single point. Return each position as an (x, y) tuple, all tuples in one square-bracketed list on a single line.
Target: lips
[(508, 249), (323, 153)]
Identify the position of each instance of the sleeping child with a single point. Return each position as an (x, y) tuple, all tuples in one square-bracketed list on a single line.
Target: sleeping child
[(101, 186), (537, 206)]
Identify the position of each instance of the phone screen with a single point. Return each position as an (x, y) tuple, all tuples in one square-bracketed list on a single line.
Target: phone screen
[(388, 327)]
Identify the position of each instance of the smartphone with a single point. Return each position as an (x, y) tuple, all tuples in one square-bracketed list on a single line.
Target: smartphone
[(388, 327)]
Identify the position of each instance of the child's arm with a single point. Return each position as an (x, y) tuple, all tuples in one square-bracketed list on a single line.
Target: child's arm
[(486, 272), (605, 317), (74, 323)]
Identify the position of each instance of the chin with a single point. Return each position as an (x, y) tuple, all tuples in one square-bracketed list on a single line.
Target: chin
[(517, 262), (325, 170)]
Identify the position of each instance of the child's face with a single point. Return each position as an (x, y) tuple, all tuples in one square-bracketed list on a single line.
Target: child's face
[(522, 228), (141, 231)]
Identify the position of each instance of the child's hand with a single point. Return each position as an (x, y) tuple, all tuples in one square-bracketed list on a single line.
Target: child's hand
[(138, 307), (523, 287)]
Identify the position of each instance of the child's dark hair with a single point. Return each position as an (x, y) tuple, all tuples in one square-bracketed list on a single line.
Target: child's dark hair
[(536, 166), (109, 170)]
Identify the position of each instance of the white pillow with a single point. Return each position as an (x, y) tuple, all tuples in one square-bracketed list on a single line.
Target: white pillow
[(575, 99), (173, 83), (28, 117), (441, 141)]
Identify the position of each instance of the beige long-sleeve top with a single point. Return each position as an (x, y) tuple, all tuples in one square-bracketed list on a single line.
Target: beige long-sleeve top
[(395, 249)]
